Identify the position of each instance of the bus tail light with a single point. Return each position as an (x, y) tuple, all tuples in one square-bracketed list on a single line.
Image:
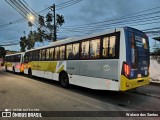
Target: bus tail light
[(22, 66), (126, 69)]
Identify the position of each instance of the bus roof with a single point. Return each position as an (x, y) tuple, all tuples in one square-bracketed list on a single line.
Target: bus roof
[(15, 54)]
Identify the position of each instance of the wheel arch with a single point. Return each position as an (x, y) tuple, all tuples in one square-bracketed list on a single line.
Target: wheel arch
[(61, 72)]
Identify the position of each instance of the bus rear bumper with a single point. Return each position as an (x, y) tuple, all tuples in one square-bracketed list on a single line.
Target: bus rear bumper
[(127, 84)]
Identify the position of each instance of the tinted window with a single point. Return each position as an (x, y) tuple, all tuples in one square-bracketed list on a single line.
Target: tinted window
[(51, 53), (105, 47), (85, 50), (109, 47), (47, 54), (37, 55), (26, 57), (62, 52), (76, 51), (112, 46), (40, 54), (69, 54), (94, 48), (57, 53), (30, 56), (43, 54)]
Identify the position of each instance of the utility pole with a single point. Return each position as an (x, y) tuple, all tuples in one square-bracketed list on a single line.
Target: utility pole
[(55, 27)]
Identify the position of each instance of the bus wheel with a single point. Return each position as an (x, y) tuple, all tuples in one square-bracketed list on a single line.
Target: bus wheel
[(13, 70), (30, 73), (64, 80)]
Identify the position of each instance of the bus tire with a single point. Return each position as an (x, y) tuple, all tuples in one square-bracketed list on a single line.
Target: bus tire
[(13, 70), (64, 79), (30, 73)]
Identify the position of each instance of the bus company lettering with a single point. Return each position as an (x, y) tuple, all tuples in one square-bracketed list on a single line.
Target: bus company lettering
[(70, 68)]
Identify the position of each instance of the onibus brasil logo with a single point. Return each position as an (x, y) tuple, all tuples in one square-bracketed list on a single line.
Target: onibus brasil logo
[(8, 113)]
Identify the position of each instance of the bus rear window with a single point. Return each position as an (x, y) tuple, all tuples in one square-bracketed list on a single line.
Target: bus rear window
[(141, 42)]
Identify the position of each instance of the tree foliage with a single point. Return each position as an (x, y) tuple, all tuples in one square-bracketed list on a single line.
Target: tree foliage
[(40, 34), (23, 43), (2, 52)]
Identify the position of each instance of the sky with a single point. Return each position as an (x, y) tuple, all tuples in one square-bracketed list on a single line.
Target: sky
[(82, 18)]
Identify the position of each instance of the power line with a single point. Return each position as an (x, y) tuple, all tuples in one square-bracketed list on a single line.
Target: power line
[(67, 5), (119, 18), (46, 9)]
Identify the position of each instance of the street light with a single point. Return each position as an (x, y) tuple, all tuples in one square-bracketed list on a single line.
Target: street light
[(30, 18)]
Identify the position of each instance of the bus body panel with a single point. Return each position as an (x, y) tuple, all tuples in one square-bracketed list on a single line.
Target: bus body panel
[(106, 69), (94, 83), (45, 69)]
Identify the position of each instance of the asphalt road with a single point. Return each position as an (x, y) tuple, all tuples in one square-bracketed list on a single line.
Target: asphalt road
[(20, 92)]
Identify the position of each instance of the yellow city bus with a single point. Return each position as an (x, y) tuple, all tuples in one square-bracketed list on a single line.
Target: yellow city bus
[(14, 62), (116, 59)]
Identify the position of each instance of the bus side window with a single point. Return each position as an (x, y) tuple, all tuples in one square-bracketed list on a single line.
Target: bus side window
[(112, 46), (47, 54), (40, 54), (33, 55), (30, 56), (51, 53), (85, 50), (18, 58), (25, 58), (105, 47), (15, 58), (57, 53), (76, 51), (43, 54), (37, 55), (62, 52), (69, 54), (94, 48)]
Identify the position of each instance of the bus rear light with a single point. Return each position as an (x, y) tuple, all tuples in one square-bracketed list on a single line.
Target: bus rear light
[(22, 66), (18, 66), (126, 69)]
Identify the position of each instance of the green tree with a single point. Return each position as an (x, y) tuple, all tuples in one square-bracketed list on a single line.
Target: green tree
[(23, 43), (41, 21), (30, 41), (40, 35), (47, 21), (60, 20), (2, 52)]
